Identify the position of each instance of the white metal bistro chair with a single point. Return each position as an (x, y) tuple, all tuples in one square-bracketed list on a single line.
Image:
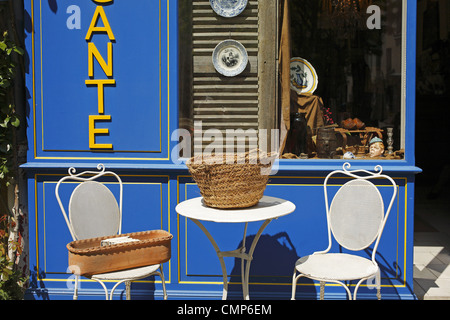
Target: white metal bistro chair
[(94, 212), (356, 219)]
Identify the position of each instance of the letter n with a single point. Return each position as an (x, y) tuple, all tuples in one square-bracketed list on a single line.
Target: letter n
[(106, 67)]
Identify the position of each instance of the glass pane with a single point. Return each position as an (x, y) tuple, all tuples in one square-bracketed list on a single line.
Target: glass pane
[(219, 105), (352, 49)]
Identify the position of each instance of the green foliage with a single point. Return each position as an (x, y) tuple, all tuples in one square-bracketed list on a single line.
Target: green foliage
[(8, 119), (11, 281)]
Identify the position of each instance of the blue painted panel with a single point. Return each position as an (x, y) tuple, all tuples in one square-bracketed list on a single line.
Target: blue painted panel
[(309, 221), (145, 203), (289, 238), (137, 102)]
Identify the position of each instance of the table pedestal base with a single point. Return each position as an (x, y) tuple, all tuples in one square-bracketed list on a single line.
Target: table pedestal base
[(238, 253)]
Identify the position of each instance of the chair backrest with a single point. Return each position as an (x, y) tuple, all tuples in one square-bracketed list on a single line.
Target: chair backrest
[(93, 209), (357, 216)]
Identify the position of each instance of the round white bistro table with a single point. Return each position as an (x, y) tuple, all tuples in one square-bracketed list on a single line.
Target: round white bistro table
[(268, 209)]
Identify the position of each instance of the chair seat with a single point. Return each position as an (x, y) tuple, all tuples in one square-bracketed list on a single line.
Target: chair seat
[(335, 266), (129, 274)]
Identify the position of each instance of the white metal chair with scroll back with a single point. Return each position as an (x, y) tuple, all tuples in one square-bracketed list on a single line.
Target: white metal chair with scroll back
[(356, 219), (94, 212)]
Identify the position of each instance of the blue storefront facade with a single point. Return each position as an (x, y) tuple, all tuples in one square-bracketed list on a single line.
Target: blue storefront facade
[(104, 80)]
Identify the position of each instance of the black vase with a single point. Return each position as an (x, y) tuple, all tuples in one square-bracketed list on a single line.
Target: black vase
[(298, 134)]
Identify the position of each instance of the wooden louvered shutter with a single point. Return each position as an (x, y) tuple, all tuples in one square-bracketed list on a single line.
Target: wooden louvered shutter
[(246, 101)]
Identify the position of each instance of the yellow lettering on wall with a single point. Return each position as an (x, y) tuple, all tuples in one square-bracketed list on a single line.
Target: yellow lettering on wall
[(93, 131), (106, 67), (96, 27), (100, 87), (100, 13)]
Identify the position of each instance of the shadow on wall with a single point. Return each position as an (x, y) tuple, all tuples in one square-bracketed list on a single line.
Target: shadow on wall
[(274, 257)]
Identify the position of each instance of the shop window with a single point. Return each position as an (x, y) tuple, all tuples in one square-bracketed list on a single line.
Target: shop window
[(326, 83)]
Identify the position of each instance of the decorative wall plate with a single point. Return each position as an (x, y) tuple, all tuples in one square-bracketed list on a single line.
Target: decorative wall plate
[(303, 76), (228, 8), (230, 58)]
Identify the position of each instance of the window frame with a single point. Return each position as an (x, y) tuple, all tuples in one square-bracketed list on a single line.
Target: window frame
[(407, 123)]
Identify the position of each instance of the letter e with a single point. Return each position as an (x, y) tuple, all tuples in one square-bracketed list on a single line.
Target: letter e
[(93, 131)]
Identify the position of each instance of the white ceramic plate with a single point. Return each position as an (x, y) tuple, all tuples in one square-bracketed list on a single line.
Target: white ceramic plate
[(230, 58), (228, 8), (303, 76)]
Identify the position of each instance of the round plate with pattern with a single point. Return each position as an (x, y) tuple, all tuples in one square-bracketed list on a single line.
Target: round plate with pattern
[(228, 8), (230, 58), (303, 76)]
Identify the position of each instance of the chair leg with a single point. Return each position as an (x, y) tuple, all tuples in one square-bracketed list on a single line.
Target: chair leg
[(161, 274), (104, 288), (322, 290), (294, 284), (128, 290), (378, 283), (75, 291), (115, 286), (356, 288)]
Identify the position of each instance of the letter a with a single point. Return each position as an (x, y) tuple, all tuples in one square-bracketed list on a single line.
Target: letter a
[(374, 21), (100, 12), (74, 21)]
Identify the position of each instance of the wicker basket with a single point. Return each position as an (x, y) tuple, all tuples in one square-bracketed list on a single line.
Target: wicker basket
[(88, 257), (236, 182)]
